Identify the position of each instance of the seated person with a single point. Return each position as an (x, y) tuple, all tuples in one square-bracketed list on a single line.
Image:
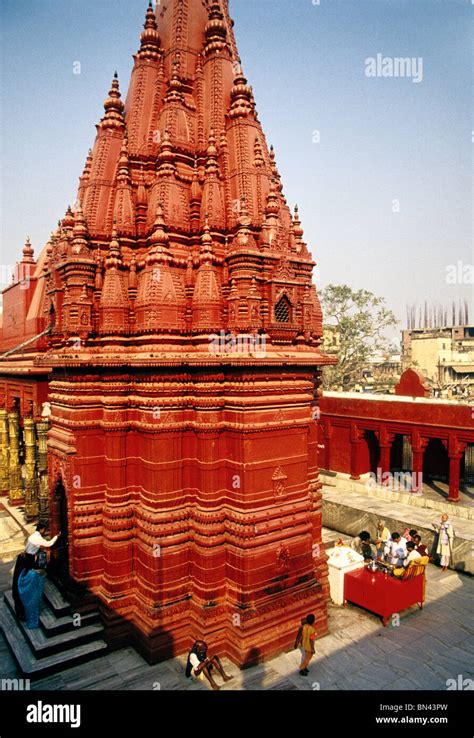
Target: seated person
[(413, 557), (199, 663), (395, 550), (420, 547), (412, 554), (361, 544)]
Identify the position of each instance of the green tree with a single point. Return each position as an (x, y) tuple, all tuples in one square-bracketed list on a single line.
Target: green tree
[(360, 320)]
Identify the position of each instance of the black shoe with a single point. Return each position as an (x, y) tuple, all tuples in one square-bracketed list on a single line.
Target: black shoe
[(304, 672)]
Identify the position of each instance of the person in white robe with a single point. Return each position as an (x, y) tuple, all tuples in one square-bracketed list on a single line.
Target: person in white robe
[(445, 540)]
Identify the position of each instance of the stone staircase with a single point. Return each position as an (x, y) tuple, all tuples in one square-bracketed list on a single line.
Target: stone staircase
[(68, 635)]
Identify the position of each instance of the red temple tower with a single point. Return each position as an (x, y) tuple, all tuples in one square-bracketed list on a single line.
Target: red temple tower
[(184, 351)]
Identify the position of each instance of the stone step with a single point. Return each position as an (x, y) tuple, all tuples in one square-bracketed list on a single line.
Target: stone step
[(53, 625), (55, 600), (34, 667), (43, 646), (79, 597)]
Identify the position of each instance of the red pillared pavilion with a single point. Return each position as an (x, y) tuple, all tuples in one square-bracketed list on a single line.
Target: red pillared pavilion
[(182, 357)]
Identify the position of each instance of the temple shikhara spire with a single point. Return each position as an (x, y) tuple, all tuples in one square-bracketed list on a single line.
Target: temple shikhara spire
[(174, 324)]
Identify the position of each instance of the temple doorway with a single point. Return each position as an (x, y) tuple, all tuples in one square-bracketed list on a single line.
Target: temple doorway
[(59, 563)]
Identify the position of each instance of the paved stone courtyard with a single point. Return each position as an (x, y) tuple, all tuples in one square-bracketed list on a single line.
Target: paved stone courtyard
[(424, 651)]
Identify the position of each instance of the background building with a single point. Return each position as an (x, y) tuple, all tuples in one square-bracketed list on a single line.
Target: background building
[(444, 355)]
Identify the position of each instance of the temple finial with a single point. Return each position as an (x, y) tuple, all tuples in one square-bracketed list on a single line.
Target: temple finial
[(150, 38), (28, 251), (113, 106)]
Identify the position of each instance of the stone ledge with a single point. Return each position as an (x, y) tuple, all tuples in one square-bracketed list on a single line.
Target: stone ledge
[(345, 483)]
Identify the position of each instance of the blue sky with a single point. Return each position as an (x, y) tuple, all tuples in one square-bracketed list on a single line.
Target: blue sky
[(385, 195)]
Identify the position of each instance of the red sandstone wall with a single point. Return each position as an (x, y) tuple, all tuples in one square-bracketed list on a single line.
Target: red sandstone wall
[(203, 522), (16, 301)]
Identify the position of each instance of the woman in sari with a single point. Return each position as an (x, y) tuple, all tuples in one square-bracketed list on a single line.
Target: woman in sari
[(30, 589), (19, 567)]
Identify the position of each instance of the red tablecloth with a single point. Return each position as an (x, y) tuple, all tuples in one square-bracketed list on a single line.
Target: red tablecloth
[(382, 593)]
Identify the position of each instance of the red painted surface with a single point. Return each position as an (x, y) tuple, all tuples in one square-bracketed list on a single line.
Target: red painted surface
[(412, 384), (28, 394), (382, 594), (193, 500), (358, 435), (21, 319)]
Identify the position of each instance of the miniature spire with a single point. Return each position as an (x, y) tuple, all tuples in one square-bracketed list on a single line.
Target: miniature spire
[(28, 252), (234, 292), (150, 38), (141, 204), (124, 210), (243, 219), (175, 87), (216, 30), (259, 161), (274, 168), (253, 292), (80, 231), (196, 191), (166, 157), (132, 279), (206, 242), (159, 239), (84, 178), (243, 235), (298, 232), (273, 205), (68, 221), (49, 247), (211, 165), (123, 164), (114, 107), (297, 229), (114, 256), (241, 96), (141, 190), (98, 271)]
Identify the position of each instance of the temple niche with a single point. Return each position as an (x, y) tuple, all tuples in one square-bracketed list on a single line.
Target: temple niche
[(188, 472)]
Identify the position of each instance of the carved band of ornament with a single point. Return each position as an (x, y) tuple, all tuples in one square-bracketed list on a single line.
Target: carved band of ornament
[(92, 516), (116, 536), (117, 514), (145, 517), (82, 532), (206, 428)]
